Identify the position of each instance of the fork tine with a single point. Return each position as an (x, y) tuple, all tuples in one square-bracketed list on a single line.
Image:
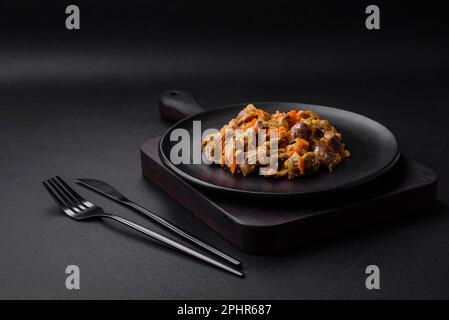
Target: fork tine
[(63, 187), (63, 194), (59, 201), (73, 193)]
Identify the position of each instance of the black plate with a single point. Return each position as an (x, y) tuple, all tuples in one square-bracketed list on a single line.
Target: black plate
[(373, 148)]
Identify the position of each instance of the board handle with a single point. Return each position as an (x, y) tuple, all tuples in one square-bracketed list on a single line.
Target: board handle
[(176, 105)]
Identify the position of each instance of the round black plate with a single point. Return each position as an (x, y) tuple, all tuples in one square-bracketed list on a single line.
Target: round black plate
[(373, 148)]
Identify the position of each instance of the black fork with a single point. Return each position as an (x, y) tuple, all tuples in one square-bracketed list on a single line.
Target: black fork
[(76, 207)]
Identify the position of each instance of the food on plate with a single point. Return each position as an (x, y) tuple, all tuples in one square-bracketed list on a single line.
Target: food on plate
[(305, 143)]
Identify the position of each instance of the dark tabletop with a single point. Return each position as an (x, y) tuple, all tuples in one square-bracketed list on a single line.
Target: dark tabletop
[(80, 105)]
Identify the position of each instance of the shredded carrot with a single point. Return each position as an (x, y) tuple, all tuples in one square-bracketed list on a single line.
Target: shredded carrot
[(233, 165), (249, 124), (301, 165), (301, 144), (304, 142), (293, 117)]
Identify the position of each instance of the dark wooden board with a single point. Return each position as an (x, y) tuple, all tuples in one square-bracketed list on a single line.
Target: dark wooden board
[(265, 226)]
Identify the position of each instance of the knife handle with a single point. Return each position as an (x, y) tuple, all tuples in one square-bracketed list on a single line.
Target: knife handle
[(184, 234), (172, 244)]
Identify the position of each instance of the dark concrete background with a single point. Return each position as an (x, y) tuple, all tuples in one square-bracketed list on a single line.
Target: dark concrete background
[(80, 104)]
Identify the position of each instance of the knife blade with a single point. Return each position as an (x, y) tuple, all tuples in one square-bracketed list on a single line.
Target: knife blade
[(112, 193)]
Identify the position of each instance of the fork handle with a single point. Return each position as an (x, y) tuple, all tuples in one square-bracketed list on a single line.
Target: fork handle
[(172, 244)]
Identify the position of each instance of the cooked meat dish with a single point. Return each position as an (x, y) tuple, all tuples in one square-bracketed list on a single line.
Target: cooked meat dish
[(305, 143)]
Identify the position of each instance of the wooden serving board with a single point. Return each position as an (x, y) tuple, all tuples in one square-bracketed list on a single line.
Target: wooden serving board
[(265, 226)]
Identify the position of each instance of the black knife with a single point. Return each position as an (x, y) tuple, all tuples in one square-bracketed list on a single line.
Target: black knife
[(112, 193)]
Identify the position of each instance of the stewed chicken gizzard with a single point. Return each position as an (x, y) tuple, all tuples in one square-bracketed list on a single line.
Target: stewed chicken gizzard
[(305, 143)]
